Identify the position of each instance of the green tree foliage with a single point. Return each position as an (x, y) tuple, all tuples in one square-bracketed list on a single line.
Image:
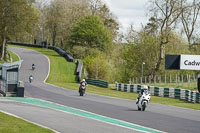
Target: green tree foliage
[(96, 67), (143, 49), (58, 18), (16, 17), (90, 32), (91, 41)]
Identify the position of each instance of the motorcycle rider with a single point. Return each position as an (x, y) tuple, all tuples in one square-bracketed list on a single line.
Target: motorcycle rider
[(84, 83), (144, 88), (33, 66), (30, 78)]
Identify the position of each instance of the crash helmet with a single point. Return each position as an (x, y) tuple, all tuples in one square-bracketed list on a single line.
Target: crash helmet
[(145, 87), (83, 80)]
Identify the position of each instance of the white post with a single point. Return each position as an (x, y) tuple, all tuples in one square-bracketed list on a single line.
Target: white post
[(142, 72)]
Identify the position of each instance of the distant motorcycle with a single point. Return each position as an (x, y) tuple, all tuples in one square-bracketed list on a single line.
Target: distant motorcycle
[(82, 89), (30, 78), (143, 101), (33, 67)]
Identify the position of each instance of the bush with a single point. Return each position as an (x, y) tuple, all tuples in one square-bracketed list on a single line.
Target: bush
[(98, 67)]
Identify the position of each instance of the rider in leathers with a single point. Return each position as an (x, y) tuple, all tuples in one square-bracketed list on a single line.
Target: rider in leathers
[(83, 82), (141, 92)]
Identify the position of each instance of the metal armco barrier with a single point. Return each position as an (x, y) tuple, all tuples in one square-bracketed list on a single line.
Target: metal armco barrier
[(99, 83), (183, 94)]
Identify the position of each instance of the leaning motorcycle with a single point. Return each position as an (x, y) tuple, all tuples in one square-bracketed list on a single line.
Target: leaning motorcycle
[(30, 78), (82, 90), (143, 101), (33, 68)]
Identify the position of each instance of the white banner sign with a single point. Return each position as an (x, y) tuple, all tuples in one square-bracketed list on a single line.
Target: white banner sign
[(190, 62)]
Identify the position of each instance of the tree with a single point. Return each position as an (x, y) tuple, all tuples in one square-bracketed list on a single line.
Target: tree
[(131, 34), (90, 32), (189, 17), (53, 19), (95, 6), (97, 66), (100, 9), (166, 12), (16, 17), (40, 32), (60, 16), (143, 48), (152, 26)]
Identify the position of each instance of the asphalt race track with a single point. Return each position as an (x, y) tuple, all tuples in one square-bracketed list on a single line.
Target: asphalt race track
[(160, 117)]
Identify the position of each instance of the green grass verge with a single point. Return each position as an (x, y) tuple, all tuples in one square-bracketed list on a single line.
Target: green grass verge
[(13, 56), (10, 124), (1, 62), (66, 80)]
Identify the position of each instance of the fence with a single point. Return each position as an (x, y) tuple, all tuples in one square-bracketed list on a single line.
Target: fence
[(100, 83), (187, 95), (177, 79)]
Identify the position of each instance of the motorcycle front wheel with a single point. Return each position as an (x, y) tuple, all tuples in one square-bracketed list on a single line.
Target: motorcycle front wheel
[(81, 93), (139, 108), (144, 106)]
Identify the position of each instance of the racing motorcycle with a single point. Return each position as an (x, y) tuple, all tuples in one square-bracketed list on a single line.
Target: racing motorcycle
[(30, 78), (143, 100), (82, 89), (33, 67)]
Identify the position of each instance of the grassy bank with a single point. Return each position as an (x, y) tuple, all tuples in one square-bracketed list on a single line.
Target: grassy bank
[(13, 56), (62, 74), (10, 124)]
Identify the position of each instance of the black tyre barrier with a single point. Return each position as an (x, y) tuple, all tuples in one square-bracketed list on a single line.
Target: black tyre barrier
[(100, 83), (60, 51), (79, 67)]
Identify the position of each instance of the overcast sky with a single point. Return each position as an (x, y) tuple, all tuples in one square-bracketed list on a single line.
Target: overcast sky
[(129, 12)]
